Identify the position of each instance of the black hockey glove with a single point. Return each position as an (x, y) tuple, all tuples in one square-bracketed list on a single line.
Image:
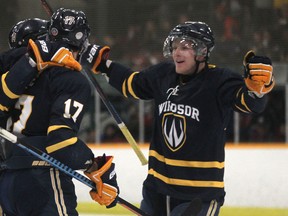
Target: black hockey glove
[(102, 172), (258, 74), (46, 54), (93, 55)]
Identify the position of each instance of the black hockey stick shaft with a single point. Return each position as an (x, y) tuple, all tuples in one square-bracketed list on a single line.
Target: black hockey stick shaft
[(108, 104), (62, 167)]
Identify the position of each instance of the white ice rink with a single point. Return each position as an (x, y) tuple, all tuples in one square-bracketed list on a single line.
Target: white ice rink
[(254, 177)]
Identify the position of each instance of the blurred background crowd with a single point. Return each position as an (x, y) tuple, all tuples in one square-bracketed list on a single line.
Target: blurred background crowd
[(135, 31)]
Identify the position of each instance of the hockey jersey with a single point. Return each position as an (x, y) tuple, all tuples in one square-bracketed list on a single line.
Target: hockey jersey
[(51, 107), (186, 154)]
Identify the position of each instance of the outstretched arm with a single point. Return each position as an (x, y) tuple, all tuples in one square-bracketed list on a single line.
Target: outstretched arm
[(259, 81)]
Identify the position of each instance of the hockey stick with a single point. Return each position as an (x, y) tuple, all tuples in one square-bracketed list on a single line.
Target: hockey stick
[(108, 104), (62, 167), (47, 7), (117, 118)]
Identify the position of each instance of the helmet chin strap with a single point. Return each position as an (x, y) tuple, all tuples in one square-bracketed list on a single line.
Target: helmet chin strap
[(197, 66), (198, 63), (186, 78)]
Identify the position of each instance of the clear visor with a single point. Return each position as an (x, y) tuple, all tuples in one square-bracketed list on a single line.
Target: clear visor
[(191, 43)]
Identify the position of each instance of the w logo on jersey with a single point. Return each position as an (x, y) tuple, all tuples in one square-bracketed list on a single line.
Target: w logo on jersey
[(174, 130)]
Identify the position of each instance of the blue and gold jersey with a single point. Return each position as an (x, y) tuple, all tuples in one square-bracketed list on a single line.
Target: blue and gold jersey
[(186, 155), (7, 60), (53, 106)]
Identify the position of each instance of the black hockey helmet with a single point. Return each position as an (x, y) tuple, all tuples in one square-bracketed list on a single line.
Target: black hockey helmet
[(70, 26), (198, 33), (21, 32)]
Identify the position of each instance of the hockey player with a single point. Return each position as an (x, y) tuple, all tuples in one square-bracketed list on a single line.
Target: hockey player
[(48, 115), (194, 102), (19, 35)]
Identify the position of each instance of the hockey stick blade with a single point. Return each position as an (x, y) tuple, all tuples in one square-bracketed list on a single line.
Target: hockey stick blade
[(194, 208), (62, 167)]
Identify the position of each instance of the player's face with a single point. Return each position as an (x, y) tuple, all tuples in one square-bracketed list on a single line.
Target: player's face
[(183, 54)]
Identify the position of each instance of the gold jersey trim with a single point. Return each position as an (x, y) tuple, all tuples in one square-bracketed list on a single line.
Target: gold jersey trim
[(61, 145), (185, 163), (184, 182), (6, 90)]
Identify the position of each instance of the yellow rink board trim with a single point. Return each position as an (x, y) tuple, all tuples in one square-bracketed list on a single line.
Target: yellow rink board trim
[(228, 146)]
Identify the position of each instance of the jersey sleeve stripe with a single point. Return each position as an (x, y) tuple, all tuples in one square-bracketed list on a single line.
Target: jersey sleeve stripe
[(56, 127), (3, 108), (242, 106), (124, 91), (244, 103), (61, 145), (6, 90), (242, 110), (129, 84)]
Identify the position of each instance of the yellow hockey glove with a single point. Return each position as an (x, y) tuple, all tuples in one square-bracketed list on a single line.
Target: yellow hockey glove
[(102, 172), (47, 54), (258, 74)]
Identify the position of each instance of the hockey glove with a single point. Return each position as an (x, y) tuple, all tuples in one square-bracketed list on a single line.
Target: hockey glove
[(258, 75), (92, 56), (103, 174), (47, 54)]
